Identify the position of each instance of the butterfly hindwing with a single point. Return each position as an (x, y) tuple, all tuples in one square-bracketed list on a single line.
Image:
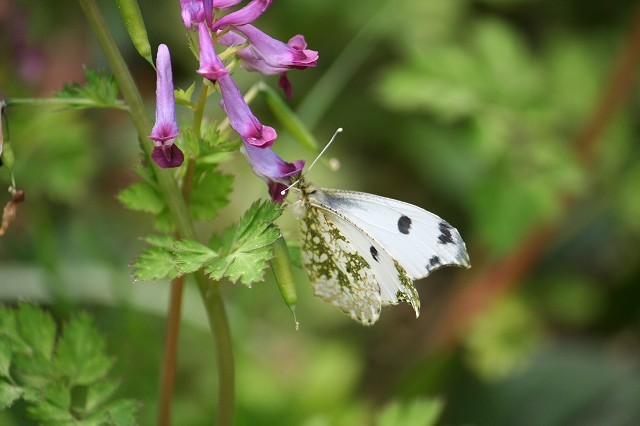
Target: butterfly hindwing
[(338, 272), (394, 283), (418, 240)]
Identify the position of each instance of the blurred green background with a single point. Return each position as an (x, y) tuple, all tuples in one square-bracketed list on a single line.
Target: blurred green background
[(516, 120)]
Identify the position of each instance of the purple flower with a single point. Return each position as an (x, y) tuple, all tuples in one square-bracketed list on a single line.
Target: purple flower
[(165, 130), (278, 54), (211, 66), (225, 4), (241, 118), (251, 61), (193, 11), (243, 16), (272, 169)]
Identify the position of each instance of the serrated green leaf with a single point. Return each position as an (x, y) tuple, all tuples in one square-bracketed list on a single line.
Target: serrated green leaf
[(246, 248), (142, 197), (210, 194), (100, 91), (154, 264), (34, 369), (191, 255), (161, 241), (80, 354), (183, 97), (99, 392), (32, 394), (122, 412), (419, 412), (54, 407), (37, 329), (190, 143), (9, 331), (58, 394), (9, 394), (5, 357)]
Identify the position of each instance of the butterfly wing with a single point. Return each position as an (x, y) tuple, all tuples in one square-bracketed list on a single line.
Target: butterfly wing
[(338, 273), (418, 240)]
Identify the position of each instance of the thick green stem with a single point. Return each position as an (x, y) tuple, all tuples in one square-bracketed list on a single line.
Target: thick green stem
[(173, 197)]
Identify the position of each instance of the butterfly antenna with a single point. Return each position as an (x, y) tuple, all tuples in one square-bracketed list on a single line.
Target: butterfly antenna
[(339, 130)]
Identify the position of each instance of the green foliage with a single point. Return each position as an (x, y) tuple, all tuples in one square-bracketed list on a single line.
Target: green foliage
[(240, 254), (46, 370), (100, 91), (419, 412), (65, 155), (503, 340), (183, 97), (245, 248), (499, 128), (210, 193)]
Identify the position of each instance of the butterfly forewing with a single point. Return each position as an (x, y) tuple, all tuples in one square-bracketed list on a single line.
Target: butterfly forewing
[(419, 240)]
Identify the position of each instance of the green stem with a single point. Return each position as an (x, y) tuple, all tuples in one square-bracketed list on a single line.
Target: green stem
[(170, 355), (63, 102), (173, 197)]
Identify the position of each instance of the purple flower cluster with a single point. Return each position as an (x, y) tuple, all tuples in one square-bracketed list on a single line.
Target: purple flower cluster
[(260, 53)]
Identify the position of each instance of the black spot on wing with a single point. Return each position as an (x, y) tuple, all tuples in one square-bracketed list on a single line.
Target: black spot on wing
[(445, 236), (433, 262), (404, 224), (374, 253)]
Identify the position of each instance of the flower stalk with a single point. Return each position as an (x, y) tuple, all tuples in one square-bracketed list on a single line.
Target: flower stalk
[(173, 197)]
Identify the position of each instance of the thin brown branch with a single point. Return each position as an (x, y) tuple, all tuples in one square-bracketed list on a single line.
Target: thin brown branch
[(168, 373), (473, 297)]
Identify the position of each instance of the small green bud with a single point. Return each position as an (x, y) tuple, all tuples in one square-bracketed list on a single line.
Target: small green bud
[(132, 18), (281, 267)]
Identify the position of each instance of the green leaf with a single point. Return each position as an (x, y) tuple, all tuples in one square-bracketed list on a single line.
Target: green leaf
[(209, 195), (161, 241), (122, 412), (37, 329), (246, 248), (189, 142), (183, 97), (9, 394), (9, 331), (5, 357), (54, 408), (99, 392), (154, 264), (164, 221), (419, 412), (80, 354), (100, 91), (142, 197), (33, 369), (190, 256)]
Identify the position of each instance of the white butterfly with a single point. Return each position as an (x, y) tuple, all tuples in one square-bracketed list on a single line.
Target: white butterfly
[(363, 251)]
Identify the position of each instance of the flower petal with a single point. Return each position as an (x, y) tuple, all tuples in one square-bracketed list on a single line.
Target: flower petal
[(278, 54), (211, 66), (241, 118), (246, 15), (272, 169)]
